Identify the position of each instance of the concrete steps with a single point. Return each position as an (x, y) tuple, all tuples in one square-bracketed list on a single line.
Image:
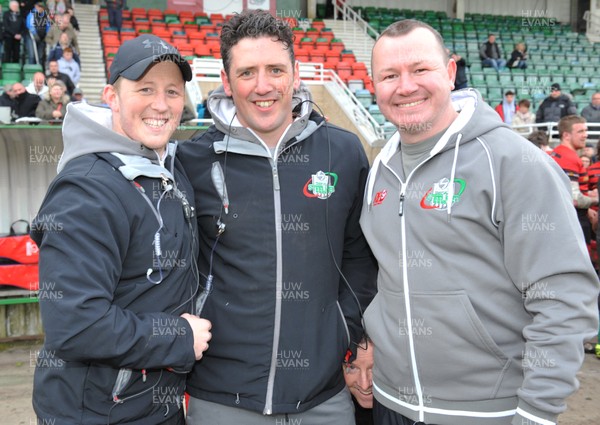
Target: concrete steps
[(93, 74)]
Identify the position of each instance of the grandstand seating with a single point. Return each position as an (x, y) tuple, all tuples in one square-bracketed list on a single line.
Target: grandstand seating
[(556, 54), (197, 35)]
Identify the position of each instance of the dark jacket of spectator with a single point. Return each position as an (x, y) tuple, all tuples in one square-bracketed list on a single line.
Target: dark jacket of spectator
[(26, 105), (553, 109)]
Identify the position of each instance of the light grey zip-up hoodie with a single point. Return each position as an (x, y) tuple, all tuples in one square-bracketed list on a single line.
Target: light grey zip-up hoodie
[(483, 301)]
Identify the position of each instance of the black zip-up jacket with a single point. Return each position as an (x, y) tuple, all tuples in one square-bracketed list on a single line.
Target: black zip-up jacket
[(101, 309), (282, 316)]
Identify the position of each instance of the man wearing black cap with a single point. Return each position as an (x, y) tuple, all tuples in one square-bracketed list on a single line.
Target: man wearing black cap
[(118, 248), (555, 106)]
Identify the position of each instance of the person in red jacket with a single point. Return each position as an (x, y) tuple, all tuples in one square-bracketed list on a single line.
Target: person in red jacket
[(507, 108)]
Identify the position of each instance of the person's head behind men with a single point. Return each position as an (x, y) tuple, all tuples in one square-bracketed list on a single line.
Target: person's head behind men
[(596, 99), (260, 73), (572, 131), (146, 90), (413, 79), (555, 90), (359, 374)]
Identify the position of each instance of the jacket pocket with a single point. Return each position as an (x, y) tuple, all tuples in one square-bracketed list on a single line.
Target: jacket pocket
[(452, 347)]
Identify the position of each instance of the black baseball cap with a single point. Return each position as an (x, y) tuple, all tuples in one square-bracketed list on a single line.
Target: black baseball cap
[(135, 56), (555, 86)]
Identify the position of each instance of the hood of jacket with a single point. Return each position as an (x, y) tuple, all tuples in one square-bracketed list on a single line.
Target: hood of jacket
[(88, 129), (223, 112), (475, 118)]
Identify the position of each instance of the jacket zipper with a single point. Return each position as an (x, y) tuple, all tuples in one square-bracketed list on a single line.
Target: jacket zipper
[(279, 277), (407, 306)]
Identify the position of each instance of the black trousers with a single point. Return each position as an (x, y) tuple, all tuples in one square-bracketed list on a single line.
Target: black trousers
[(12, 48), (385, 416)]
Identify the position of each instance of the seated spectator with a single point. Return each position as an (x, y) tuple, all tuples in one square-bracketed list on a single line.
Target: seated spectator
[(518, 57), (461, 81), (38, 85), (25, 103), (507, 108), (56, 51), (8, 97), (78, 96), (54, 105), (592, 113), (56, 74), (555, 106), (523, 116), (491, 54), (67, 65), (359, 379)]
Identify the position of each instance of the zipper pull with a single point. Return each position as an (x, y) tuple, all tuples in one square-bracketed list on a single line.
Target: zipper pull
[(401, 206), (143, 375)]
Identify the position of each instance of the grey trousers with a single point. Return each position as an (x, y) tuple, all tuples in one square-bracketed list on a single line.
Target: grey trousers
[(338, 410)]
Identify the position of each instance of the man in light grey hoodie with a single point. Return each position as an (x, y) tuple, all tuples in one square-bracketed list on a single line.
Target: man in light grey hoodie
[(485, 289)]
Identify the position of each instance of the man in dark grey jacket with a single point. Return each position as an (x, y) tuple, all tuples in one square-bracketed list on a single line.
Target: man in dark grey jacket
[(555, 106)]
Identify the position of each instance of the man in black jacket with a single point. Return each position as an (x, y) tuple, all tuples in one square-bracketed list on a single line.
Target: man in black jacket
[(54, 72), (279, 193), (555, 106), (14, 28), (25, 103)]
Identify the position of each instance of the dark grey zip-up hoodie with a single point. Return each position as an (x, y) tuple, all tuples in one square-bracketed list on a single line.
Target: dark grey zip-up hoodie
[(115, 350), (485, 288), (282, 316)]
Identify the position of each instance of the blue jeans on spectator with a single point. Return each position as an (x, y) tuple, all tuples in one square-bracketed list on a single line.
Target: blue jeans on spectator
[(497, 64)]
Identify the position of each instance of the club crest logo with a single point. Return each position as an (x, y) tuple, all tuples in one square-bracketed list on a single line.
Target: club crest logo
[(321, 185), (437, 196)]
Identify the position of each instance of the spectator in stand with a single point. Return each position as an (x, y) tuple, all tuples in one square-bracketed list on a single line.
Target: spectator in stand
[(25, 103), (359, 380), (572, 131), (78, 96), (38, 25), (7, 98), (14, 28), (38, 85), (491, 54), (73, 20), (507, 108), (68, 65), (540, 139), (54, 105), (56, 51), (55, 73), (56, 7), (63, 25), (461, 82), (586, 161), (592, 112), (523, 116), (115, 13), (555, 106), (518, 57), (589, 150)]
